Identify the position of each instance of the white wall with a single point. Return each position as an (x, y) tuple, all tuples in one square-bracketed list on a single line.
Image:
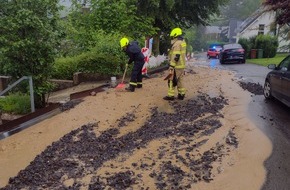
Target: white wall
[(252, 30)]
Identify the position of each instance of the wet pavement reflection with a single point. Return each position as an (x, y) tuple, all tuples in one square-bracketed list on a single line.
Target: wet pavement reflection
[(271, 117), (213, 63)]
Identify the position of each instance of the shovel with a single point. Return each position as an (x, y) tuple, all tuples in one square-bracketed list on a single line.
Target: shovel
[(122, 85), (168, 76)]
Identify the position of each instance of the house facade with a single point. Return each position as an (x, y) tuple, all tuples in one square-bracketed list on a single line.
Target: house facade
[(260, 23), (216, 33)]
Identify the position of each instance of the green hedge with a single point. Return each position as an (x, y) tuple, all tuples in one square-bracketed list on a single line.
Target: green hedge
[(268, 43), (88, 62), (246, 44), (106, 57)]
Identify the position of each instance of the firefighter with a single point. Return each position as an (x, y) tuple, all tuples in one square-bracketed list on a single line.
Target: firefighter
[(177, 56), (135, 55)]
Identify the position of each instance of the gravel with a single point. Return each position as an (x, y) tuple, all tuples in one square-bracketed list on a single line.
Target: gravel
[(81, 153)]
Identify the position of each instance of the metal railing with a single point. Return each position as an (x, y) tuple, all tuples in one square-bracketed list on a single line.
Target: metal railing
[(30, 89)]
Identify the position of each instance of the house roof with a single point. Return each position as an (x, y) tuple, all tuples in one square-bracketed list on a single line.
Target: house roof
[(250, 19)]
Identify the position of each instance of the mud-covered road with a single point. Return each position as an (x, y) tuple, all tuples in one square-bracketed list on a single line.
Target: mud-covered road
[(272, 117), (122, 140)]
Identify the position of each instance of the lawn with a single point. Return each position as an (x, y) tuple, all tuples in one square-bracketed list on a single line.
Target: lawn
[(266, 61)]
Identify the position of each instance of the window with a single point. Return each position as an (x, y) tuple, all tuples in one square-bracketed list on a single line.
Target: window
[(285, 64), (261, 29)]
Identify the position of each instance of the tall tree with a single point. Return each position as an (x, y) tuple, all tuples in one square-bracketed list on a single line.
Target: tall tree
[(282, 8), (137, 18), (168, 14), (239, 9), (115, 16), (28, 39)]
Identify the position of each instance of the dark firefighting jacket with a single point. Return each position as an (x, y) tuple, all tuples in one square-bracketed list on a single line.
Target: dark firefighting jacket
[(134, 53)]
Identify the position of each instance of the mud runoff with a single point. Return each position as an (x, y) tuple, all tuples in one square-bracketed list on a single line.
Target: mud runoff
[(74, 161), (254, 88)]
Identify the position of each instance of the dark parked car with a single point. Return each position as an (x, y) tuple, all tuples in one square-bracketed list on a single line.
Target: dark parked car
[(232, 53), (277, 83)]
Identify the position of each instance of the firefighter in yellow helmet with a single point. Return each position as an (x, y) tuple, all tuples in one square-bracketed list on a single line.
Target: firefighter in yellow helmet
[(135, 55), (177, 55)]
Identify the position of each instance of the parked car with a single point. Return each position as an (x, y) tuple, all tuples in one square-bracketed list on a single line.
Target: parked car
[(277, 82), (232, 53), (214, 52)]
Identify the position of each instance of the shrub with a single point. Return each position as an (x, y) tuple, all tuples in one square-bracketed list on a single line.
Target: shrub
[(88, 62), (268, 43), (64, 68), (17, 103), (245, 43), (105, 58)]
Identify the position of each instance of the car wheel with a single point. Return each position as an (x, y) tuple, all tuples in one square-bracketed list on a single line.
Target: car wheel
[(243, 61), (267, 90)]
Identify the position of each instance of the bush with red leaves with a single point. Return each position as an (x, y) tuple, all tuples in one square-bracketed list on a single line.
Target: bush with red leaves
[(282, 7)]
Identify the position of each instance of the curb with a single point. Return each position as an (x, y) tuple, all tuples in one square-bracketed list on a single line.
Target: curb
[(14, 126)]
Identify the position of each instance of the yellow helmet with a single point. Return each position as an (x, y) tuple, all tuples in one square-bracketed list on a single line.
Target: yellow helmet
[(175, 32), (124, 42)]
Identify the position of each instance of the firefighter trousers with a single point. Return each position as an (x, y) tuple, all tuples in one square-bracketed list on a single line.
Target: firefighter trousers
[(136, 75), (180, 87)]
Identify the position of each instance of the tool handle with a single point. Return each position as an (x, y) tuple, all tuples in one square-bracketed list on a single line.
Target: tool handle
[(124, 73), (168, 76)]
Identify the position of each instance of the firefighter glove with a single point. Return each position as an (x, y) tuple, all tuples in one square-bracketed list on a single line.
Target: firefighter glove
[(176, 58)]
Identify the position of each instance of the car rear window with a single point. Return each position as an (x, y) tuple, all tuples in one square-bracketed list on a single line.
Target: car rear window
[(211, 49), (232, 46)]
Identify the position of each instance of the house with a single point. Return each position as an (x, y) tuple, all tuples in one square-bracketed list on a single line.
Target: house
[(261, 22), (216, 33), (223, 33)]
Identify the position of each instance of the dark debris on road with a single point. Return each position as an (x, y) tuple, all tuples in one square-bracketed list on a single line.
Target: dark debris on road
[(81, 153), (254, 88)]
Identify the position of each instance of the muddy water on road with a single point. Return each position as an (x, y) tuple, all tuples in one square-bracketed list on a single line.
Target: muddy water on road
[(272, 117), (141, 141)]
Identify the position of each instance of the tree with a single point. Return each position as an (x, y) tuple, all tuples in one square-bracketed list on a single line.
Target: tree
[(238, 9), (141, 18), (116, 16), (28, 40), (282, 8), (168, 14)]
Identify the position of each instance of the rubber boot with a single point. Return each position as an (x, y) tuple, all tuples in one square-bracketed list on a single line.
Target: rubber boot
[(180, 97), (168, 98), (139, 85), (130, 88)]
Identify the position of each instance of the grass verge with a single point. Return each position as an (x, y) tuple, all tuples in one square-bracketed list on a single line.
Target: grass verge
[(266, 61)]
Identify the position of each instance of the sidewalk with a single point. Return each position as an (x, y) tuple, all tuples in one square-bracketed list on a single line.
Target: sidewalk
[(62, 96)]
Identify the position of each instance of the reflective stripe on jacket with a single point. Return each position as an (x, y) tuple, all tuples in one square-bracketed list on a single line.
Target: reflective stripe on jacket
[(178, 47)]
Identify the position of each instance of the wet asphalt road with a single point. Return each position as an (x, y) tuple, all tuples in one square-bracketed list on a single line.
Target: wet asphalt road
[(272, 117)]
